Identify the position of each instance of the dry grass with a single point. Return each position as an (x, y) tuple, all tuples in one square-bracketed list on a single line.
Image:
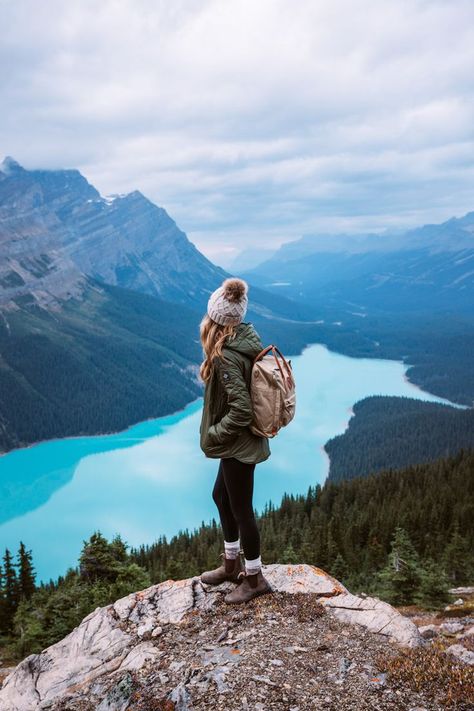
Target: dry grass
[(468, 642), (431, 671)]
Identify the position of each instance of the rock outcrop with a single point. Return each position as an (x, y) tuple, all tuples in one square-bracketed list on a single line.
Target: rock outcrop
[(90, 667)]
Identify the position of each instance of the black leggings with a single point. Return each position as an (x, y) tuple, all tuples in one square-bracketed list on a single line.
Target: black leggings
[(232, 494)]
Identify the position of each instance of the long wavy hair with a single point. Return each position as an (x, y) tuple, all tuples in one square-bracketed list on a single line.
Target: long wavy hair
[(213, 338)]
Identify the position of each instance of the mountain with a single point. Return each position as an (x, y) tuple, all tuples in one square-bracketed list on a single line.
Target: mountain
[(95, 365), (79, 353), (33, 265), (55, 227), (100, 303), (404, 295), (250, 258), (424, 268)]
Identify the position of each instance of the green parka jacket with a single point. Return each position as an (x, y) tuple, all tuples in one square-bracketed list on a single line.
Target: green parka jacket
[(227, 409)]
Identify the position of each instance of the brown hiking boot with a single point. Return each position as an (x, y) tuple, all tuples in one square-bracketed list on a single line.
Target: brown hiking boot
[(228, 570), (250, 587)]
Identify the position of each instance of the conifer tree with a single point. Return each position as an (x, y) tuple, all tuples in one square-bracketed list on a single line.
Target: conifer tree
[(375, 554), (11, 596), (26, 573), (98, 560), (456, 558), (434, 585), (118, 548), (401, 577), (289, 555), (339, 568)]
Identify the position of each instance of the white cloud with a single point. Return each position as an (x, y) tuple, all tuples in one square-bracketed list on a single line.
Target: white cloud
[(249, 121)]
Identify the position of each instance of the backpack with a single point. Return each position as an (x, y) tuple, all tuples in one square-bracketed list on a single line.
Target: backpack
[(272, 391)]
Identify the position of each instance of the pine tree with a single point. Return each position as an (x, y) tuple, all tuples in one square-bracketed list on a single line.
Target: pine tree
[(26, 573), (308, 547), (289, 555), (3, 611), (339, 568), (401, 577), (375, 554), (98, 560), (332, 541), (456, 558), (130, 579), (434, 585), (118, 548), (11, 596)]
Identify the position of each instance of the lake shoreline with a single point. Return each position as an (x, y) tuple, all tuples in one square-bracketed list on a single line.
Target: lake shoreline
[(107, 433)]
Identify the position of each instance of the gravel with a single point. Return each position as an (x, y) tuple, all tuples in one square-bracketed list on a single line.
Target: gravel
[(279, 652)]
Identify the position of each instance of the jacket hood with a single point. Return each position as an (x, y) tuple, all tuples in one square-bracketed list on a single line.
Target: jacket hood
[(246, 341)]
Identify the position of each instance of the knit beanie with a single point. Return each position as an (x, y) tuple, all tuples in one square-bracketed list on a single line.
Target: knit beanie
[(228, 304)]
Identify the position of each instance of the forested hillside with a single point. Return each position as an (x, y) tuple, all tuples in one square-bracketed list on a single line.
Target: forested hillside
[(100, 363), (394, 432)]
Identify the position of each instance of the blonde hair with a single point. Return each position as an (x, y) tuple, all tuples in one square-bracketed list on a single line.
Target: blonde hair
[(213, 337)]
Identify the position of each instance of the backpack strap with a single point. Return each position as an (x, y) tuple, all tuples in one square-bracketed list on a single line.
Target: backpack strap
[(276, 352), (262, 353)]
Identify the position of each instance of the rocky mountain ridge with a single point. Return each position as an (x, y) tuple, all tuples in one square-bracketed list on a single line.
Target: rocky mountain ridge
[(176, 645), (57, 233), (55, 228)]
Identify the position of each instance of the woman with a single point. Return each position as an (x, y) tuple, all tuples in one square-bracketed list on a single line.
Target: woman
[(230, 346)]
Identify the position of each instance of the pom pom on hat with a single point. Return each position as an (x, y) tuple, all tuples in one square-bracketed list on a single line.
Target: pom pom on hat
[(228, 303), (234, 289)]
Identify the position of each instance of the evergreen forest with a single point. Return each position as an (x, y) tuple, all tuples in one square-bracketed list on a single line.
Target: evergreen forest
[(395, 432)]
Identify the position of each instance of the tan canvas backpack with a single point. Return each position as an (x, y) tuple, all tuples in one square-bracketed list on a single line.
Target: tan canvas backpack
[(272, 390)]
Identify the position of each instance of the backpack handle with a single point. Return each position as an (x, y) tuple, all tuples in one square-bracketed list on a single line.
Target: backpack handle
[(276, 351)]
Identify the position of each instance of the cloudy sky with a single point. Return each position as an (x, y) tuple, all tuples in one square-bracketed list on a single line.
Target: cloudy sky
[(253, 121)]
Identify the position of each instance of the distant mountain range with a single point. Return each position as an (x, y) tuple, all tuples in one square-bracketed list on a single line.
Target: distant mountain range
[(429, 267), (402, 295)]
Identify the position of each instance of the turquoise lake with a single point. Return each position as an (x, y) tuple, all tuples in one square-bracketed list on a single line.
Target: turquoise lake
[(153, 479)]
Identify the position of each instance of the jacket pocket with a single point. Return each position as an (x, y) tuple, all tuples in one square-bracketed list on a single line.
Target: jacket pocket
[(215, 438)]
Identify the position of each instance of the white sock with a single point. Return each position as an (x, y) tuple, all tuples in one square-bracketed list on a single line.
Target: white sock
[(232, 549), (253, 566)]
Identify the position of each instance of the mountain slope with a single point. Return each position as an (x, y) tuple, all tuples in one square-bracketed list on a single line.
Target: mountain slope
[(177, 646), (125, 241), (97, 365)]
